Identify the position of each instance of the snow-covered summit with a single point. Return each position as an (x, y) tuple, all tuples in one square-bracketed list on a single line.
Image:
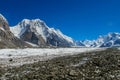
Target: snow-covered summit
[(89, 43), (36, 31), (112, 39), (25, 24)]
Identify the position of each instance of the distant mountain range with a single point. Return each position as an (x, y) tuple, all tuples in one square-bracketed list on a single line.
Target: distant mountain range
[(35, 33), (109, 40)]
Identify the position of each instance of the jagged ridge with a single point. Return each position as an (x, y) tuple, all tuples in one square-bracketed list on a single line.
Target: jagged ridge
[(109, 40), (37, 32)]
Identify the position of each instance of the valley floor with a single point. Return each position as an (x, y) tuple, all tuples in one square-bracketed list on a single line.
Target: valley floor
[(18, 57), (92, 64)]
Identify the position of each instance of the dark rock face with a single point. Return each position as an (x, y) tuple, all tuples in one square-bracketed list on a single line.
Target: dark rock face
[(8, 40), (52, 39), (55, 40), (3, 23), (30, 36)]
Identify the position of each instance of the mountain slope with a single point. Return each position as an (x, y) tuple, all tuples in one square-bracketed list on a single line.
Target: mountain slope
[(37, 32), (109, 40), (7, 38)]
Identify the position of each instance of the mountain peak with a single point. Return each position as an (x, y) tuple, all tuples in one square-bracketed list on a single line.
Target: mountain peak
[(113, 34), (36, 31), (37, 20), (32, 20), (3, 23), (110, 40), (25, 20)]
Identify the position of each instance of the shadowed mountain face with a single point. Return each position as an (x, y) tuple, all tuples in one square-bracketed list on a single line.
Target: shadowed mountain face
[(7, 38), (37, 32)]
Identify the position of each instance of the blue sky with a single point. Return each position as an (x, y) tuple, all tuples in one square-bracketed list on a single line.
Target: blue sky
[(80, 19)]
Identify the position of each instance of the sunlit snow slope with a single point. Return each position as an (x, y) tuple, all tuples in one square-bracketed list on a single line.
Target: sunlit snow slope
[(37, 32)]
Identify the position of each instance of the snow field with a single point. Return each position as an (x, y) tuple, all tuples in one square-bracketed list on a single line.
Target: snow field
[(18, 57), (11, 53)]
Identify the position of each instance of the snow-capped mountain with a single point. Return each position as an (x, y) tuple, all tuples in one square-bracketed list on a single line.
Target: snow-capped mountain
[(79, 44), (89, 43), (37, 32), (7, 38), (109, 40)]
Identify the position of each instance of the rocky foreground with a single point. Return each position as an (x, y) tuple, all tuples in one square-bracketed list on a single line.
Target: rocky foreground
[(97, 65)]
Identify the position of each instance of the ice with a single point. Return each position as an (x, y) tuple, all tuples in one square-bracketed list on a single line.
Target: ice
[(18, 57), (9, 53)]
